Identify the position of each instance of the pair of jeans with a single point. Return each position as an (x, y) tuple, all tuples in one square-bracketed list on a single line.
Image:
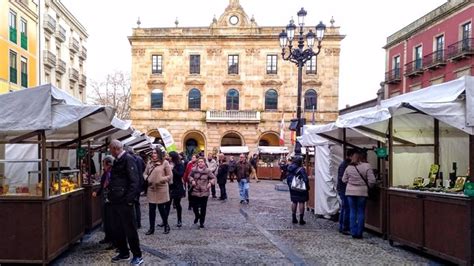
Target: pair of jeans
[(244, 189), (163, 208), (199, 208), (357, 214), (344, 213), (223, 192), (124, 229)]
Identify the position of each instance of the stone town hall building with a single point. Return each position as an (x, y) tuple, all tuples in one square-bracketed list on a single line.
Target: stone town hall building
[(226, 84)]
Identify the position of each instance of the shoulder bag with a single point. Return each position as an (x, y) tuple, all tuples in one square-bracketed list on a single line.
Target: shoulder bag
[(371, 192), (298, 184)]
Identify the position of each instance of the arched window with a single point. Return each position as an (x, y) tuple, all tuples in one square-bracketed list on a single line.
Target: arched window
[(232, 100), (310, 100), (194, 99), (271, 100), (157, 99)]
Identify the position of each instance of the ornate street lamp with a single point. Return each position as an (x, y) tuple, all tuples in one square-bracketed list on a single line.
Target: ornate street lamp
[(300, 56)]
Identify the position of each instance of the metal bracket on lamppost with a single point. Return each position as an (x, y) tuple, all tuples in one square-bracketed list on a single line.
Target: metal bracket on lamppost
[(300, 56)]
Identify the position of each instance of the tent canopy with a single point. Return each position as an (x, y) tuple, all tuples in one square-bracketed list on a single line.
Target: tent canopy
[(234, 149), (52, 110), (273, 150)]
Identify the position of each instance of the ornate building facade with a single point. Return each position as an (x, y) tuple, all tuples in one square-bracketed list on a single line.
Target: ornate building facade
[(226, 84)]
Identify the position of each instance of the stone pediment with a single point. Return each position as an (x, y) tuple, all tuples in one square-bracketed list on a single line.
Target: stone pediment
[(271, 82), (312, 82), (156, 82), (233, 82), (234, 16), (194, 82)]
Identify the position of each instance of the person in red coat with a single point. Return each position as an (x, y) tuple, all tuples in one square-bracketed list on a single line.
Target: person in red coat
[(189, 167)]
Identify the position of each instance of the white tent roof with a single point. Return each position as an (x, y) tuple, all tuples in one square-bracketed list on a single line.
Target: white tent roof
[(51, 109), (234, 149), (273, 149)]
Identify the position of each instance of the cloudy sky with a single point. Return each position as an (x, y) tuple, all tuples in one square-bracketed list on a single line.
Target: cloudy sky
[(366, 24)]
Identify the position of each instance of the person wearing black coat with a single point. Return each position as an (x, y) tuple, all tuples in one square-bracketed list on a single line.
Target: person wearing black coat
[(222, 174), (177, 191), (123, 189), (141, 181), (298, 198)]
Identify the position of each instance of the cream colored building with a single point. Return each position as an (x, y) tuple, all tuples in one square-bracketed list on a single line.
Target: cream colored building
[(63, 52), (226, 84)]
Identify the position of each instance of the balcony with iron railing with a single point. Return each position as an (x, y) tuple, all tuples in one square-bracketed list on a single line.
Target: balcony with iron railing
[(434, 60), (73, 45), (82, 80), (461, 49), (49, 24), (393, 76), (232, 116), (24, 41), (61, 34), (49, 59), (83, 53), (414, 68), (60, 66), (73, 74)]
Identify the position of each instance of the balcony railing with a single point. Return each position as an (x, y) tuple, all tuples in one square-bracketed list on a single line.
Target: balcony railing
[(73, 45), (82, 81), (232, 116), (393, 76), (83, 53), (13, 75), (61, 34), (49, 24), (73, 74), (49, 59), (61, 66), (434, 60), (24, 41), (13, 34), (461, 49), (414, 68), (24, 80)]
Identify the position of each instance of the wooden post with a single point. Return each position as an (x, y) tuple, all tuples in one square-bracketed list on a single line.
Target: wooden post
[(436, 141), (390, 152), (44, 165), (471, 157)]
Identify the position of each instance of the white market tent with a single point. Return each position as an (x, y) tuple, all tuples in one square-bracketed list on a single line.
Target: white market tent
[(413, 127), (234, 149), (273, 150)]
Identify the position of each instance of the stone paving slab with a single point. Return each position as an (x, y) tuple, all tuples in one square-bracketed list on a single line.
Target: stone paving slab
[(260, 233)]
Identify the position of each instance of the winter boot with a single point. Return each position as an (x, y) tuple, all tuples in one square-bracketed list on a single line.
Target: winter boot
[(302, 222), (295, 221)]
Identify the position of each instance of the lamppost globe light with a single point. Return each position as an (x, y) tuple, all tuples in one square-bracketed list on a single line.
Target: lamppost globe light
[(301, 14), (290, 29), (310, 39), (320, 29), (283, 39)]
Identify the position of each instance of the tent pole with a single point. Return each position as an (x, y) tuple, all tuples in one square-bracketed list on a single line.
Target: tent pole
[(471, 156), (390, 152), (344, 146), (436, 141), (44, 165)]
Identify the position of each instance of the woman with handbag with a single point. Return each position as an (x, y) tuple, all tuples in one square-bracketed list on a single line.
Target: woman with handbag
[(298, 182), (177, 191), (159, 176), (359, 177)]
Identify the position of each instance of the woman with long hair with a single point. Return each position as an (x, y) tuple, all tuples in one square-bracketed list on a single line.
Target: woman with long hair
[(159, 176), (177, 187), (358, 176), (201, 179), (298, 197)]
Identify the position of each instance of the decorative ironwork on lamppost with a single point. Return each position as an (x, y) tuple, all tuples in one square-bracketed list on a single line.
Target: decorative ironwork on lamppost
[(299, 55)]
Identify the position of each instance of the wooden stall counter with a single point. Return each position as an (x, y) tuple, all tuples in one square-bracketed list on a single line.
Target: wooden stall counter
[(440, 224), (268, 172), (39, 230), (92, 207)]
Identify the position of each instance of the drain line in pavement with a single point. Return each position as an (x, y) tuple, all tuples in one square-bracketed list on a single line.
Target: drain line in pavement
[(287, 251)]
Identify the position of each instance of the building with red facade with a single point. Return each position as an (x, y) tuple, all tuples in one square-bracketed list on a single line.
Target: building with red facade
[(436, 48)]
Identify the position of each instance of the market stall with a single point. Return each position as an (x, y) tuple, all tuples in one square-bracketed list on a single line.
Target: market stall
[(42, 198), (429, 138), (268, 161)]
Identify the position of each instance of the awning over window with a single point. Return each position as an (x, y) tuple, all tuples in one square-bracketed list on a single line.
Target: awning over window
[(234, 149)]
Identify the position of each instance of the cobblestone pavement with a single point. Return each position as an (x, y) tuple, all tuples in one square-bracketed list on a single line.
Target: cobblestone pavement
[(258, 233)]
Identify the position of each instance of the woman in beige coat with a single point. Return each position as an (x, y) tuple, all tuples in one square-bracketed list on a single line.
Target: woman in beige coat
[(158, 174)]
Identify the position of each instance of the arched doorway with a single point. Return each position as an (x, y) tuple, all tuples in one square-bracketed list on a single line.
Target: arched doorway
[(193, 143), (232, 139), (269, 139)]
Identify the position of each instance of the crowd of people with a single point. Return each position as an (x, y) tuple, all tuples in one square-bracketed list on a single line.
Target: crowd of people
[(165, 179)]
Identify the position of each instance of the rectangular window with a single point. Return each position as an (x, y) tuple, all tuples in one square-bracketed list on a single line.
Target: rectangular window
[(195, 64), (439, 47), (418, 57), (13, 67), (24, 34), (396, 67), (466, 31), (12, 24), (156, 64), (233, 67), (272, 64), (311, 66), (24, 72)]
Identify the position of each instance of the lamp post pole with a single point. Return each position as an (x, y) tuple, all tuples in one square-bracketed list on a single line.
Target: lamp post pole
[(300, 56)]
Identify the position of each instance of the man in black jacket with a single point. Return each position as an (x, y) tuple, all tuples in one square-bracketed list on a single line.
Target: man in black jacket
[(141, 180), (123, 189)]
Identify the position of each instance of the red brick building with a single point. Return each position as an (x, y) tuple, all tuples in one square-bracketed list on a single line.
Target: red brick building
[(436, 48)]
